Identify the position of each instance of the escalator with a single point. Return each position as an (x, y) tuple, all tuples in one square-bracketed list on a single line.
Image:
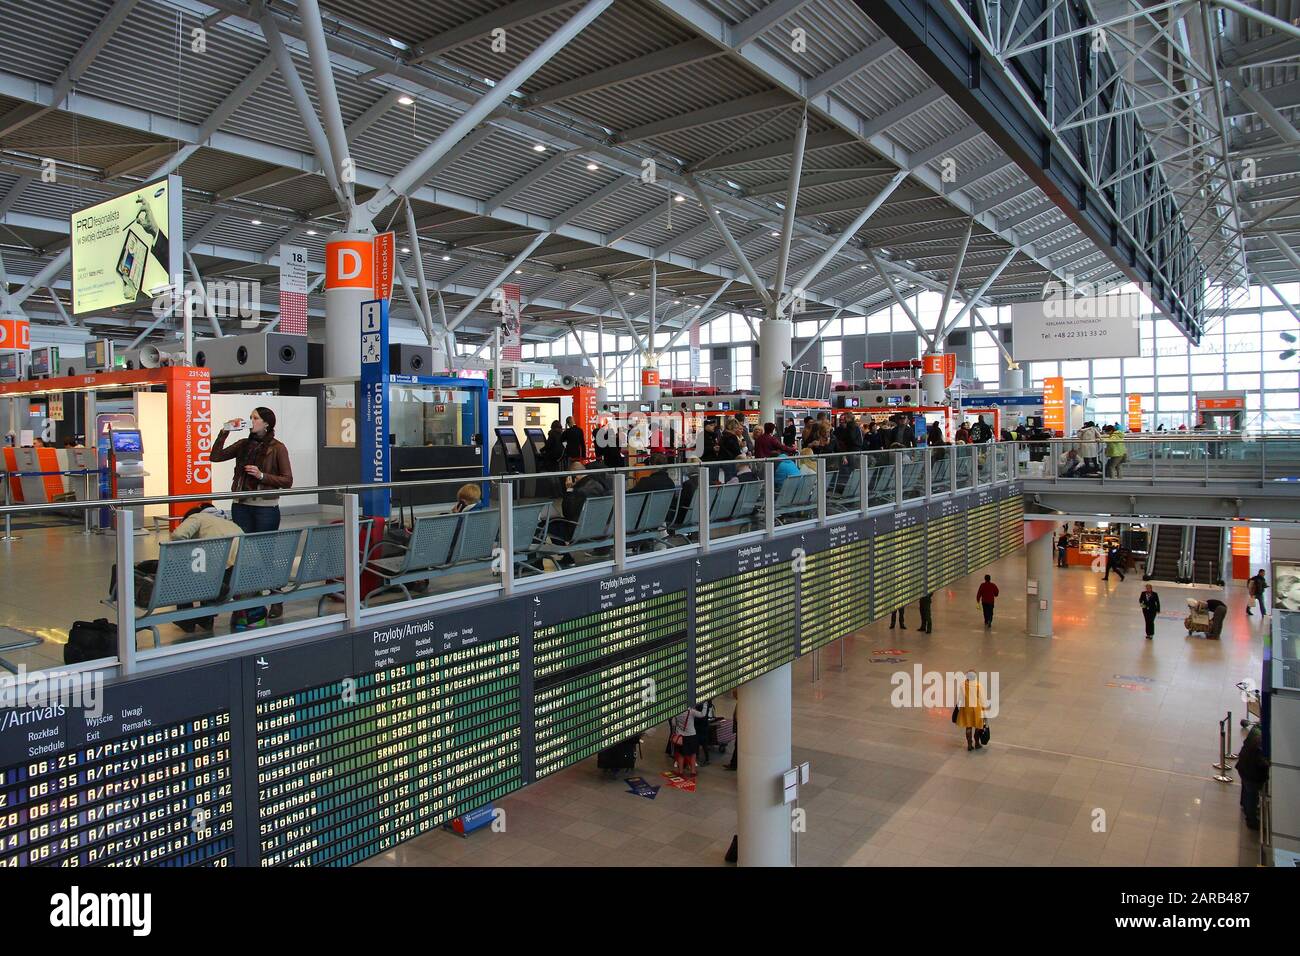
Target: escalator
[(1165, 554), (1207, 556)]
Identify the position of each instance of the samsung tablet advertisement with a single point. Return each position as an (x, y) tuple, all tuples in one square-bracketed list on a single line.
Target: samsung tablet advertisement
[(122, 248)]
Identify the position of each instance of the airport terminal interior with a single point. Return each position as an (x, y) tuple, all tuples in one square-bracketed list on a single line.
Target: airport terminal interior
[(770, 433)]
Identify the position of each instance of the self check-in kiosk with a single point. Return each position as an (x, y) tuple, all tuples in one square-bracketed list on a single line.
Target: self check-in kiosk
[(507, 456), (126, 468)]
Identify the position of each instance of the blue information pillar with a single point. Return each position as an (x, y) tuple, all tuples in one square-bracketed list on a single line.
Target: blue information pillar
[(374, 407)]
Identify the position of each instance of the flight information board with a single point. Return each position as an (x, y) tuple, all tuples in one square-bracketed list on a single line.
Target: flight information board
[(1011, 524), (142, 778), (982, 531), (422, 726), (897, 561), (610, 659), (835, 588), (945, 548), (744, 623)]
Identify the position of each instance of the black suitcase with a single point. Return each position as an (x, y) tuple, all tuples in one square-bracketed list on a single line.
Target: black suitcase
[(90, 641), (621, 756)]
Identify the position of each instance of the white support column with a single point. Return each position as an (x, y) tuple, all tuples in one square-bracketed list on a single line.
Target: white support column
[(932, 388), (1011, 378), (774, 348), (650, 360), (343, 302), (1039, 571), (763, 744)]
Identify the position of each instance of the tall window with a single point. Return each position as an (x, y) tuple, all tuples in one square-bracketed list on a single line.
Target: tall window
[(742, 367)]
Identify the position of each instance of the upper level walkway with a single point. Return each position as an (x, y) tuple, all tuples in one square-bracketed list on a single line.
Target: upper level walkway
[(1241, 476)]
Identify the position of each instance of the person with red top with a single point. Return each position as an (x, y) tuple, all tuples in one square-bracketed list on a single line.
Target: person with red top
[(768, 445), (985, 597)]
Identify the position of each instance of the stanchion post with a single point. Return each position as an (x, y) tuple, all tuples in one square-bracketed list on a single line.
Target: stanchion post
[(86, 530), (1223, 776), (8, 535)]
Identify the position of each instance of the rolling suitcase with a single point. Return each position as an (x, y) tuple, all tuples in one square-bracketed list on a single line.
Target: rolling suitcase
[(621, 756)]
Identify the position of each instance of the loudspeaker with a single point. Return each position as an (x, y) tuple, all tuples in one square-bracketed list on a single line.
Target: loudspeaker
[(258, 353), (410, 359)]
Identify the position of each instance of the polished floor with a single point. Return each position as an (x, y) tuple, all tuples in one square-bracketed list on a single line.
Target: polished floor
[(1100, 755)]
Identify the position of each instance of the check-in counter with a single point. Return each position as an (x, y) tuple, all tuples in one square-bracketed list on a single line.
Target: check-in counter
[(40, 476)]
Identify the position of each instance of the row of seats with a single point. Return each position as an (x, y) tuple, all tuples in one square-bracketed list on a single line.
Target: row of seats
[(302, 563)]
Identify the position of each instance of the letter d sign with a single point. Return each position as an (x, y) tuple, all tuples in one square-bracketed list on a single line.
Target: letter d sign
[(349, 264)]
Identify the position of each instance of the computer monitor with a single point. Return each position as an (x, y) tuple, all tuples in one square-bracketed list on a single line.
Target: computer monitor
[(127, 442)]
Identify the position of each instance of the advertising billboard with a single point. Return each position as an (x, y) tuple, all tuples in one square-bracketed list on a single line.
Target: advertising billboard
[(128, 248), (1103, 326)]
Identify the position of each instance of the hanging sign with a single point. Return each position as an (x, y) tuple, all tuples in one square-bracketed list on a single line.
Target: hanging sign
[(293, 290)]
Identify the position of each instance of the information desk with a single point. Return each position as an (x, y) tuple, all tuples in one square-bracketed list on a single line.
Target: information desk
[(330, 751)]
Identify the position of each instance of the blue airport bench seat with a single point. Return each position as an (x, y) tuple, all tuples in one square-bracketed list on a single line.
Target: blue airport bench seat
[(730, 506), (647, 518), (530, 524), (846, 497), (193, 573), (797, 495), (440, 544)]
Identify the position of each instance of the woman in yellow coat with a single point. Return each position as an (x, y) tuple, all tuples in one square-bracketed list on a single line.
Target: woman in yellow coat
[(972, 704)]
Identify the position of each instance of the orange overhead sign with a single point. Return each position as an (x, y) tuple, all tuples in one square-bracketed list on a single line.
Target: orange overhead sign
[(650, 376), (944, 364), (189, 435), (350, 264), (1209, 404), (15, 335), (1135, 413), (384, 259), (1054, 404)]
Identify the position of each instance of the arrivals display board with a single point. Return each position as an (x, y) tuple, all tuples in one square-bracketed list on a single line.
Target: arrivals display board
[(332, 750), (128, 248)]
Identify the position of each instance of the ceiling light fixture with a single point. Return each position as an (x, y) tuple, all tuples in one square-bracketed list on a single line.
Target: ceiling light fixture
[(539, 148), (255, 222), (679, 198), (592, 167), (405, 100)]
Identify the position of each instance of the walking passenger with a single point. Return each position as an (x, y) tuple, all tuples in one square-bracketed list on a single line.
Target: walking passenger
[(985, 596), (972, 707), (1150, 602)]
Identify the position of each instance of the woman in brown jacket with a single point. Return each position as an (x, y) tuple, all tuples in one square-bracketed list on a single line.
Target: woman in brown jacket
[(261, 461)]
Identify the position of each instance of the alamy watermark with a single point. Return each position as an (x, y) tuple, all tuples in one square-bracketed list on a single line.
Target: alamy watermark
[(27, 698), (943, 689), (221, 298)]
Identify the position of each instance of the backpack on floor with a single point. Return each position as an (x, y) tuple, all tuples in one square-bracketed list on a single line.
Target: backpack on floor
[(90, 640)]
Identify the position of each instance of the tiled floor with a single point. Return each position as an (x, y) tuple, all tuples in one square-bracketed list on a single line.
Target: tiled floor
[(1077, 734)]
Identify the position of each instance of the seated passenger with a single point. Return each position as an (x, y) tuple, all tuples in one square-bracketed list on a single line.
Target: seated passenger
[(660, 479), (785, 468), (1070, 464), (579, 486), (744, 471), (467, 497)]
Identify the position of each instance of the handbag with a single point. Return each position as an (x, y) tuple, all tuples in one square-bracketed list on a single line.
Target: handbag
[(677, 739), (955, 710), (984, 734)]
